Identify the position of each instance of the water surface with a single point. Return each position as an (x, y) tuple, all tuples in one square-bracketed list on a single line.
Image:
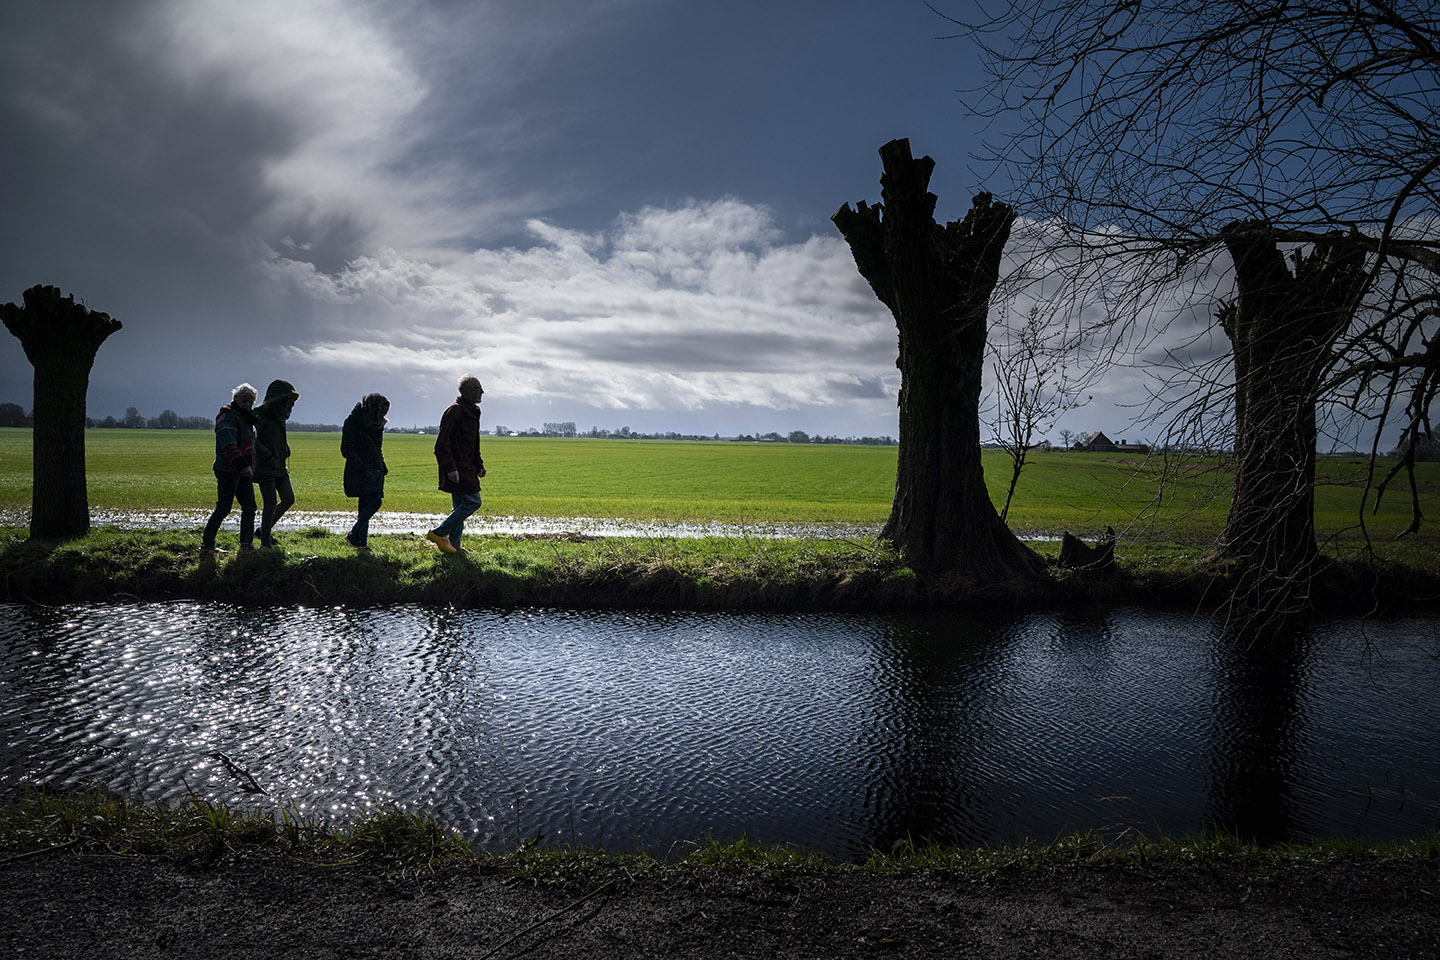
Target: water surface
[(839, 732)]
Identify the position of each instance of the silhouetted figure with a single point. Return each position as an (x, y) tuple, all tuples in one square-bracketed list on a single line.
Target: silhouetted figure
[(457, 452), (272, 450), (60, 339), (365, 469), (234, 468)]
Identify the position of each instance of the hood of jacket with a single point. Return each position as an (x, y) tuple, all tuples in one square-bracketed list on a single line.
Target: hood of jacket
[(278, 391), (372, 409)]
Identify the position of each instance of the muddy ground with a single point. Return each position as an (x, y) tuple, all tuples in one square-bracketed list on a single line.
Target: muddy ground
[(79, 905)]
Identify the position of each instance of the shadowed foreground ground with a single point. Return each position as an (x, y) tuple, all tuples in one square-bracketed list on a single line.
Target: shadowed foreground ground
[(76, 905)]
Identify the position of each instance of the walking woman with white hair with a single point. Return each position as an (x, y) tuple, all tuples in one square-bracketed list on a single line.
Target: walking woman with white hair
[(234, 469)]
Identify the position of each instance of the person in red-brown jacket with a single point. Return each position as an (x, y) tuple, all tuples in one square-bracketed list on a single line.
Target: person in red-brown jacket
[(457, 453)]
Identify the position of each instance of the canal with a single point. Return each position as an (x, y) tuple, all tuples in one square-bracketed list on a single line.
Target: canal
[(842, 733)]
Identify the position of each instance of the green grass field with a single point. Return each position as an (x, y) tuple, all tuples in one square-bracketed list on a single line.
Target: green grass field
[(718, 482)]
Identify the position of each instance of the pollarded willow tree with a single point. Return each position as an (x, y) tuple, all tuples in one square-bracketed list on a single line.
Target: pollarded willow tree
[(1295, 142), (937, 283), (1282, 325), (61, 339)]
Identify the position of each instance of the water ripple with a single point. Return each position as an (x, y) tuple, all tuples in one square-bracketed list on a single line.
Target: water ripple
[(840, 732)]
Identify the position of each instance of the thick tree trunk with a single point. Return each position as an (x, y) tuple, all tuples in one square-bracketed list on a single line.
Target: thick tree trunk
[(937, 282), (60, 338), (1282, 326)]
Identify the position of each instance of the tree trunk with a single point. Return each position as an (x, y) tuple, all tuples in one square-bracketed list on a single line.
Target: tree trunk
[(937, 283), (60, 339), (1282, 326)]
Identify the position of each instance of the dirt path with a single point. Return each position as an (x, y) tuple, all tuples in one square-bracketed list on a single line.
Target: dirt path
[(63, 905)]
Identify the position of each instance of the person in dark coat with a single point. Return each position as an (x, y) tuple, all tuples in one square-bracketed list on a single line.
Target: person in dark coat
[(272, 449), (234, 468), (365, 468), (457, 453)]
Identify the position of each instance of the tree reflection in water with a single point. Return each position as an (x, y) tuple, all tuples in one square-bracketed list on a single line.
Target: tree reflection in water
[(1257, 734)]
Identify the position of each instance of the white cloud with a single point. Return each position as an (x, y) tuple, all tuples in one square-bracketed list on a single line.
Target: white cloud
[(671, 309), (320, 58), (703, 307)]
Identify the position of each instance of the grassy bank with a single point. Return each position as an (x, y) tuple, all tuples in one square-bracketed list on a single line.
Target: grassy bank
[(1167, 519), (118, 880), (162, 470), (316, 567), (41, 820), (1152, 505)]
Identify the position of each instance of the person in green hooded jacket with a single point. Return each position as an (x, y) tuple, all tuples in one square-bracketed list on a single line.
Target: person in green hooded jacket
[(272, 450), (361, 440)]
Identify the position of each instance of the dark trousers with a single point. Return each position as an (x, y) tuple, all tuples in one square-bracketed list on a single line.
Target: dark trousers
[(276, 496), (368, 505), (229, 487)]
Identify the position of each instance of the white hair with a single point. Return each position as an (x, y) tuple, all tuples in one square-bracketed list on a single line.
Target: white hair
[(243, 390)]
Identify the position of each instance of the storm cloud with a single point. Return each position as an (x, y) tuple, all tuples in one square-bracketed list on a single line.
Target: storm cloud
[(560, 197)]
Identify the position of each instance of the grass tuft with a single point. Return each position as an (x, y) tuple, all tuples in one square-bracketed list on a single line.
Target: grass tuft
[(394, 835), (93, 820)]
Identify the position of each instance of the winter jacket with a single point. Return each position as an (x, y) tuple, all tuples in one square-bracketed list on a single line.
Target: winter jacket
[(272, 448), (457, 447), (360, 441), (234, 440)]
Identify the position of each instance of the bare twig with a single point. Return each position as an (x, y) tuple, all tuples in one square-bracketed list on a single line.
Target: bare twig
[(240, 773), (36, 853), (544, 920)]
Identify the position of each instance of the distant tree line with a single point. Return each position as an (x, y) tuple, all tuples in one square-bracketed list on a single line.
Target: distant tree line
[(567, 429), (1426, 449), (800, 436), (170, 420), (13, 415), (167, 420)]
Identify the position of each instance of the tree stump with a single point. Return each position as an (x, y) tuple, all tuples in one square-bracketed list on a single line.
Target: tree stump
[(1076, 554), (1283, 327), (61, 339), (937, 283)]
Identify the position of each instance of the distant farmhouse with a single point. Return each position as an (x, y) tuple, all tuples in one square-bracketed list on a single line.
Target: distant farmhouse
[(1097, 442)]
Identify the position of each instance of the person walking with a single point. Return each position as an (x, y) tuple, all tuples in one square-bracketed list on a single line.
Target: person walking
[(457, 453), (272, 450), (234, 469), (365, 469)]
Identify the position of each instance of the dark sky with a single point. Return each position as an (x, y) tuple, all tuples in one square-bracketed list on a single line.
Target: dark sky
[(612, 211)]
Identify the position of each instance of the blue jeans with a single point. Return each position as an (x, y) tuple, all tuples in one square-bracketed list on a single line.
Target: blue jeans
[(368, 505), (464, 504)]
